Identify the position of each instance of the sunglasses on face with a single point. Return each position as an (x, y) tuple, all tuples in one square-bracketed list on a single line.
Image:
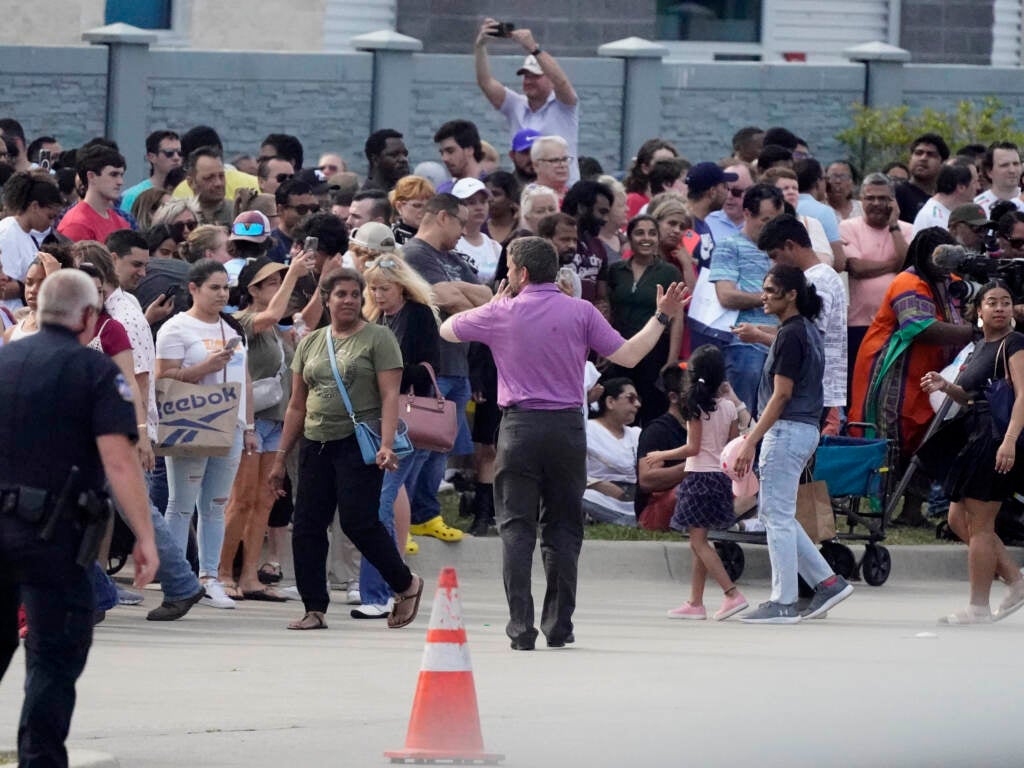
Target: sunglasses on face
[(178, 229), (169, 153), (1017, 243), (283, 177), (735, 192), (248, 229), (631, 397), (302, 210)]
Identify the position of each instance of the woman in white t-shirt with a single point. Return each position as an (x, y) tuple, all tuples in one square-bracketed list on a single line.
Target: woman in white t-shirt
[(483, 250), (200, 347), (34, 201), (611, 455)]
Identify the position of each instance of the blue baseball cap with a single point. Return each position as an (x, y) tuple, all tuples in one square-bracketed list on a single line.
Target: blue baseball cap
[(523, 140), (704, 176)]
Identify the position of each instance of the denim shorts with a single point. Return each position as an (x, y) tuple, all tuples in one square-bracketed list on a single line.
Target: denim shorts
[(268, 435)]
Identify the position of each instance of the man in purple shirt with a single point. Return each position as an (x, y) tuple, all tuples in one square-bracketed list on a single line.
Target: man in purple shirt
[(540, 338)]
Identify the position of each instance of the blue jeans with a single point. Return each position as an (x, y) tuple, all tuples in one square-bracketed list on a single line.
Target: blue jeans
[(785, 450), (203, 483), (743, 365), (423, 493), (174, 574), (373, 590)]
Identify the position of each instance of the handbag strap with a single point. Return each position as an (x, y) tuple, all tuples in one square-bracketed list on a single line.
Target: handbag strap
[(337, 376), (280, 348), (223, 344), (433, 380)]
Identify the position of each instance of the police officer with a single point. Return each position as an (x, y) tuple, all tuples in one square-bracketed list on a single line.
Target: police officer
[(66, 421)]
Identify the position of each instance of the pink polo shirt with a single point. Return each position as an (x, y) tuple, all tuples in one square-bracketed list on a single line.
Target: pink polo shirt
[(540, 341), (866, 242)]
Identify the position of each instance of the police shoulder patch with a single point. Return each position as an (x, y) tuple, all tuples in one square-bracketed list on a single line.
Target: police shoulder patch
[(123, 388)]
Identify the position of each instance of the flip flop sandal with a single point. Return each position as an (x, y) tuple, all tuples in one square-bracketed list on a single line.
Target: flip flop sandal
[(312, 620), (266, 595), (270, 573), (232, 591), (405, 609)]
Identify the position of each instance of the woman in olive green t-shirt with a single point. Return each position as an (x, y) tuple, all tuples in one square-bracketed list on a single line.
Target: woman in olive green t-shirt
[(332, 473)]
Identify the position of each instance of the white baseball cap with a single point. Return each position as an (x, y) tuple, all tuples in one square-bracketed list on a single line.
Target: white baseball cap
[(530, 65), (466, 188)]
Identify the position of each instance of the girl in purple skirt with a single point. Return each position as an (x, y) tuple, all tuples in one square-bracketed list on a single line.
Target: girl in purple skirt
[(704, 497)]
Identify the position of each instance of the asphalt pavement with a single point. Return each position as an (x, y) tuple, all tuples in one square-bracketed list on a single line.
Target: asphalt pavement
[(877, 683)]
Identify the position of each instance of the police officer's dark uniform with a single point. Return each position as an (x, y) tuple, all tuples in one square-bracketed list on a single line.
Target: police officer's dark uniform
[(56, 398)]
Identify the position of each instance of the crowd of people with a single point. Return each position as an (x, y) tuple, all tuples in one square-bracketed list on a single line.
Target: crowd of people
[(318, 294)]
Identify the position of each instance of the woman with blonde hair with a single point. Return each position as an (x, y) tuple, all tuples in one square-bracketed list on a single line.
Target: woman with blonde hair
[(208, 241), (397, 297), (147, 203), (409, 200)]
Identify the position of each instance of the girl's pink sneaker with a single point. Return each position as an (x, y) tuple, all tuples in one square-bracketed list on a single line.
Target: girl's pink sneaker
[(731, 606), (687, 611)]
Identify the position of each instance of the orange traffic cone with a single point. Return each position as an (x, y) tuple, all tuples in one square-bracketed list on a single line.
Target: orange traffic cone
[(445, 723)]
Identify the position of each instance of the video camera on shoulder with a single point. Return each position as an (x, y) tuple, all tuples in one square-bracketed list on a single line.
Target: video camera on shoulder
[(976, 269)]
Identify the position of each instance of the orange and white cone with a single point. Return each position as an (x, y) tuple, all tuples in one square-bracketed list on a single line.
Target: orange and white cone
[(445, 723)]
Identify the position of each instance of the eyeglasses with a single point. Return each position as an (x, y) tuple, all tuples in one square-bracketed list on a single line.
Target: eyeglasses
[(302, 210), (248, 229), (631, 397), (169, 153), (283, 177), (1015, 242), (555, 160)]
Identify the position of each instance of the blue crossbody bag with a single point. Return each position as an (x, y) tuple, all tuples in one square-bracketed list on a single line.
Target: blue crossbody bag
[(368, 437)]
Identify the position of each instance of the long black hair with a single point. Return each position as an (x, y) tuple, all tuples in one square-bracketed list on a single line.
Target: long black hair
[(787, 278), (705, 372)]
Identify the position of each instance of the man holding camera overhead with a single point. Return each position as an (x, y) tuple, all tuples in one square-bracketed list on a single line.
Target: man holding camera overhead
[(548, 102)]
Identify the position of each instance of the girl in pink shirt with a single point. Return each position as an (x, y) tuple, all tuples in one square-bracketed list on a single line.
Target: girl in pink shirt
[(704, 499)]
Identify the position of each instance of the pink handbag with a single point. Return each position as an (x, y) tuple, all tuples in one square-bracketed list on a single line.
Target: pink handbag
[(431, 420)]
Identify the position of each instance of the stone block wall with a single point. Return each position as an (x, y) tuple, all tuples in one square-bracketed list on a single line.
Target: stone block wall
[(703, 105), (60, 91)]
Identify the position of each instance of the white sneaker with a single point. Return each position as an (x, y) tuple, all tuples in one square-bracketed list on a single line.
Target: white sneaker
[(216, 597), (353, 597)]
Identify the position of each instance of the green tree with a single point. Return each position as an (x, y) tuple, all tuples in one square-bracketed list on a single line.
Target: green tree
[(880, 136)]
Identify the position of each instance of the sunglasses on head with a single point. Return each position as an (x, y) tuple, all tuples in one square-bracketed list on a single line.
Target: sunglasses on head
[(248, 228), (385, 262), (302, 210)]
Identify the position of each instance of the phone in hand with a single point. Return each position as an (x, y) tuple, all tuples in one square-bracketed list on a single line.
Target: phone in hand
[(233, 343), (311, 245), (44, 159), (170, 292), (504, 29)]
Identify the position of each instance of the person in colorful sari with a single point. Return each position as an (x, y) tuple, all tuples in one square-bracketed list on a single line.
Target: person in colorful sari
[(917, 329)]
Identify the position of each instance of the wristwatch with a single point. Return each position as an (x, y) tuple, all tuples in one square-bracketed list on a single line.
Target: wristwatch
[(664, 319), (535, 52), (894, 228)]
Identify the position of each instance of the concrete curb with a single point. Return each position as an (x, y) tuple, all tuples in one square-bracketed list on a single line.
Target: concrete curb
[(661, 560), (658, 560), (78, 758)]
